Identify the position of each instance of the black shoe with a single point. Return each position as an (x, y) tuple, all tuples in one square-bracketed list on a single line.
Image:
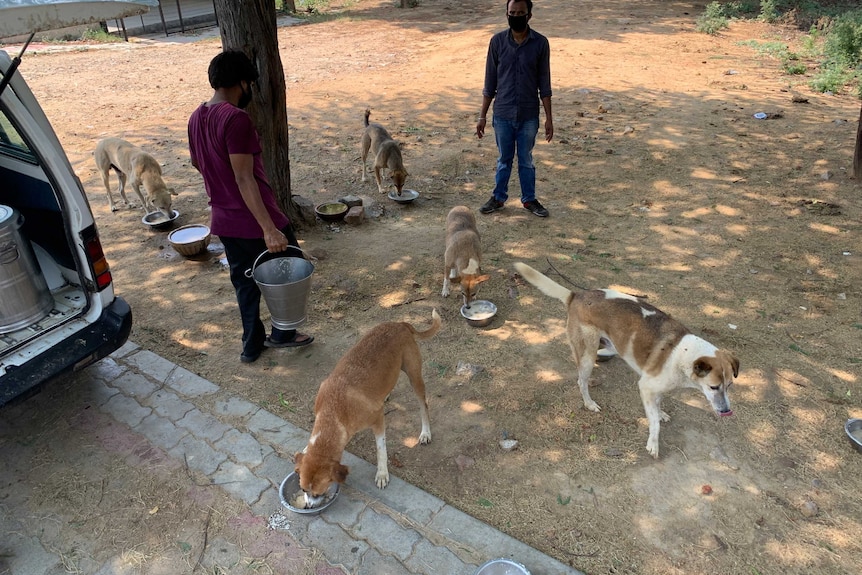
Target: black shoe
[(250, 357), (536, 208), (298, 340), (491, 205)]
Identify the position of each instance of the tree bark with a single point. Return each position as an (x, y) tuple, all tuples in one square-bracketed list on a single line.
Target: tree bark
[(857, 156), (250, 26)]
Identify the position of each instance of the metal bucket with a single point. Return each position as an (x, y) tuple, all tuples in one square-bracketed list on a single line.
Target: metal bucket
[(24, 294), (285, 283)]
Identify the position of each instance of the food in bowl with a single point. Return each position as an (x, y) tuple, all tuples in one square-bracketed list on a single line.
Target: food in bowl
[(406, 196), (293, 498), (190, 240), (157, 220), (479, 313), (332, 211)]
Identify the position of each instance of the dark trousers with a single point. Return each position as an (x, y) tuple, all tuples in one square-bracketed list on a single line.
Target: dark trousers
[(241, 254)]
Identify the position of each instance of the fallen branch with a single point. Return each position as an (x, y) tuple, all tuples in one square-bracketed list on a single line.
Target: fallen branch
[(206, 537)]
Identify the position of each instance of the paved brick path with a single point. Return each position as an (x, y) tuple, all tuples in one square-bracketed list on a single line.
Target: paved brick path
[(185, 420)]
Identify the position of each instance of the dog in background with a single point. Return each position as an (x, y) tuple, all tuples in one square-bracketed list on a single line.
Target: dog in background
[(134, 165), (386, 153), (663, 352), (463, 256), (351, 399)]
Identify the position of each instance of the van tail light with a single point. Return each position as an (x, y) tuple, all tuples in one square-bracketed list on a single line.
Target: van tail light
[(96, 258)]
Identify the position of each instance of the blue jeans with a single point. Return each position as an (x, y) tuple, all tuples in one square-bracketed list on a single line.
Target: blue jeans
[(512, 134)]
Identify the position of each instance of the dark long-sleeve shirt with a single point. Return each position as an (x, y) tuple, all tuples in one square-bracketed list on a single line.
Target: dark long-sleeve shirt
[(517, 76)]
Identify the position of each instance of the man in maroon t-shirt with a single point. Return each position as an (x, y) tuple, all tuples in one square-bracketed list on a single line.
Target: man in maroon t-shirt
[(225, 149)]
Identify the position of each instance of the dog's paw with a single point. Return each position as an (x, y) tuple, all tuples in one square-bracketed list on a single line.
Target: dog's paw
[(592, 405), (424, 438), (652, 446), (445, 292), (665, 416), (381, 479)]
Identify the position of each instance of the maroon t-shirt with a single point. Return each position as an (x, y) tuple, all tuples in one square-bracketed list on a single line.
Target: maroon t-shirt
[(216, 132)]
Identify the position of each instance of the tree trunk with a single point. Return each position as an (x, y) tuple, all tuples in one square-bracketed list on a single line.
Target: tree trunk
[(290, 6), (857, 157), (250, 26)]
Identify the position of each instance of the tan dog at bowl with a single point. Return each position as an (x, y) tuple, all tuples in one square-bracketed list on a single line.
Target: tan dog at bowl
[(351, 399), (662, 351), (386, 153), (130, 161), (462, 260)]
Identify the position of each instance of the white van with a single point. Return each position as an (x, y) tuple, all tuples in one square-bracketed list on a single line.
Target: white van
[(58, 310)]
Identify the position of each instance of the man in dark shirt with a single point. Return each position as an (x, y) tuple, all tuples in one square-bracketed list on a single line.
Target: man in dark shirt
[(517, 77)]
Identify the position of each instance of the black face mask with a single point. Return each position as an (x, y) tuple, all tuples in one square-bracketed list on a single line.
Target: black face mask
[(245, 99), (517, 23)]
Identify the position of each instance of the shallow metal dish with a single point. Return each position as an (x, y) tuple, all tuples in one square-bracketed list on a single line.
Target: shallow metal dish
[(406, 196), (502, 567), (853, 429), (290, 487), (157, 220), (331, 211), (480, 313)]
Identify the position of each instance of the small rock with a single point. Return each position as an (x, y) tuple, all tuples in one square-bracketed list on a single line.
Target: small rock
[(509, 444), (464, 462), (613, 452), (842, 296), (706, 490), (827, 175), (809, 509), (351, 201), (628, 130), (355, 216), (796, 99), (468, 369)]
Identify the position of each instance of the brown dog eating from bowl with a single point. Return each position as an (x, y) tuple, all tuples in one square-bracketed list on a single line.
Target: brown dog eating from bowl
[(462, 259), (351, 400)]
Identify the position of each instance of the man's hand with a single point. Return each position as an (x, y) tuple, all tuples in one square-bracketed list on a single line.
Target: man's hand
[(480, 127), (275, 241), (549, 129)]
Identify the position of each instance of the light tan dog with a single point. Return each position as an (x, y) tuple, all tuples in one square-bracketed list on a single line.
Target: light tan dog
[(663, 352), (351, 400), (463, 256), (386, 153), (134, 165)]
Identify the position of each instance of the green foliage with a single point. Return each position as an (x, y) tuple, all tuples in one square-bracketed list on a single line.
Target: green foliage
[(712, 20), (99, 35), (312, 5), (844, 40), (770, 10)]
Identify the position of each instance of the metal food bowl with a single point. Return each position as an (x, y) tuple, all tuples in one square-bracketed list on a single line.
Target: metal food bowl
[(480, 313), (290, 489), (158, 221), (502, 567), (853, 428), (190, 240), (331, 211), (406, 196)]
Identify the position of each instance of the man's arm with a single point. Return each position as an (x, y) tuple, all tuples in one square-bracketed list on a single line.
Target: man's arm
[(549, 119), (243, 170)]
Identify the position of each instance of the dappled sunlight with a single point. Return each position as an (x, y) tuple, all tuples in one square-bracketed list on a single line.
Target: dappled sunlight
[(824, 228), (400, 264), (715, 311), (555, 455), (548, 376), (471, 407), (726, 210), (762, 434), (737, 229), (410, 442), (697, 212), (703, 174), (393, 298), (554, 328), (844, 376)]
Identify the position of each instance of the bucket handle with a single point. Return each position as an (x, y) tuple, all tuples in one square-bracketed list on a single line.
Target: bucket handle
[(8, 253), (250, 272)]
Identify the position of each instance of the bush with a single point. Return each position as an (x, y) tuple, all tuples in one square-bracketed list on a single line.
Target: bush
[(712, 20), (843, 44)]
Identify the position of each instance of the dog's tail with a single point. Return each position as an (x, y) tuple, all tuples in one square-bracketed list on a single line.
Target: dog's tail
[(431, 331), (545, 284), (367, 113)]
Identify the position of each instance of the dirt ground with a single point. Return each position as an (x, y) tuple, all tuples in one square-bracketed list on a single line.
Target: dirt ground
[(659, 181)]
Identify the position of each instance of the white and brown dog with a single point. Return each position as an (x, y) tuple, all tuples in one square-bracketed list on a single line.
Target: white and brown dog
[(130, 161), (351, 399), (463, 256), (386, 153), (662, 351)]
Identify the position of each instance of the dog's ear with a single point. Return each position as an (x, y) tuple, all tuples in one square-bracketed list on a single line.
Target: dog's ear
[(297, 458), (339, 473), (735, 364), (480, 279), (702, 368)]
